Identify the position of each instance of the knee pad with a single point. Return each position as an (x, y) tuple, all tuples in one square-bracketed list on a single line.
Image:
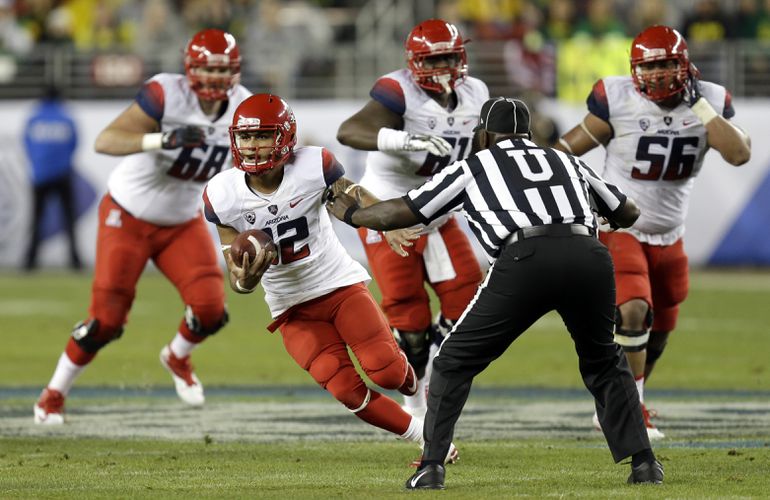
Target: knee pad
[(341, 380), (90, 336), (416, 346), (385, 366), (632, 340), (441, 328), (204, 321)]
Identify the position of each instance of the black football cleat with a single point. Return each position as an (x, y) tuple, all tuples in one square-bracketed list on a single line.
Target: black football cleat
[(430, 477), (646, 473)]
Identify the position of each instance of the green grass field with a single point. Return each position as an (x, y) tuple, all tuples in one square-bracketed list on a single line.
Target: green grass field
[(720, 349)]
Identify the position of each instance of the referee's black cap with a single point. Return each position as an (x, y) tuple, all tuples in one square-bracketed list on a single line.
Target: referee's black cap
[(504, 115)]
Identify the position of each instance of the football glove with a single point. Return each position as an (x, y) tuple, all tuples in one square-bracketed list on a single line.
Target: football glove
[(183, 137), (433, 144)]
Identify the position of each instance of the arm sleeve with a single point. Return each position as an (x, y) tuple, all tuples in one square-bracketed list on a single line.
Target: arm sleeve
[(440, 195), (728, 111), (597, 101), (208, 209), (332, 168), (151, 99), (389, 93), (608, 198)]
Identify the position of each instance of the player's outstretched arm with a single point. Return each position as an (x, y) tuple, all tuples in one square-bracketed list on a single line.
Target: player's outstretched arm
[(125, 134), (398, 238), (383, 216), (360, 130), (134, 131), (590, 133)]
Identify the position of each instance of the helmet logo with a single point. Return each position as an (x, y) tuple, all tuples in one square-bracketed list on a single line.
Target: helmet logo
[(644, 124), (273, 209), (250, 217), (667, 120), (432, 122), (248, 121)]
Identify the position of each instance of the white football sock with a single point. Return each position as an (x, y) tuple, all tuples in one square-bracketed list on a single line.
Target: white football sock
[(181, 347), (640, 387), (418, 401), (414, 431), (65, 374)]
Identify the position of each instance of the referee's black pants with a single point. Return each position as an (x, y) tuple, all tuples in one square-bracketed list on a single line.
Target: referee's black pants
[(571, 274)]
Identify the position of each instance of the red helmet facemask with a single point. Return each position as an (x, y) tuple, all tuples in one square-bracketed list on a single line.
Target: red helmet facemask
[(430, 39), (659, 43), (262, 113), (212, 64)]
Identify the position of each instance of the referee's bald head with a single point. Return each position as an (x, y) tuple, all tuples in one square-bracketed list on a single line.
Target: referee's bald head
[(504, 115)]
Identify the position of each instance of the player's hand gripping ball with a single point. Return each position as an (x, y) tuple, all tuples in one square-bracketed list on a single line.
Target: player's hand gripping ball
[(251, 241)]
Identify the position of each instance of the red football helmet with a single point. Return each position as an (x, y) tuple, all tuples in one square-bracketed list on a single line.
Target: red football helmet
[(659, 43), (209, 51), (435, 37), (258, 113)]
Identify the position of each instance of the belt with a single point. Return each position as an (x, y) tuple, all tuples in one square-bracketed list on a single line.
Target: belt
[(549, 230)]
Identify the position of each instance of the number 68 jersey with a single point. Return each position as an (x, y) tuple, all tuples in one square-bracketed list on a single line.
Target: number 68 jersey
[(654, 153), (164, 186), (311, 262)]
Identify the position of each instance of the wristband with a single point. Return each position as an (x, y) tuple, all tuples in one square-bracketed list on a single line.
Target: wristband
[(151, 142), (242, 289), (348, 217), (389, 139), (704, 111)]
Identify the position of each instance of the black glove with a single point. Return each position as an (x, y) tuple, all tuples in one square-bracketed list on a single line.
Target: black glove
[(691, 89), (183, 137)]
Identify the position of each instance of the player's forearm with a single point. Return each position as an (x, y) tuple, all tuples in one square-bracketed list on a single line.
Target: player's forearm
[(385, 216), (118, 142), (626, 215), (358, 136), (731, 142)]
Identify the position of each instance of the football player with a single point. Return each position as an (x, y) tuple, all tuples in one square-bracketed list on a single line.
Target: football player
[(174, 139), (419, 120), (656, 126), (315, 291)]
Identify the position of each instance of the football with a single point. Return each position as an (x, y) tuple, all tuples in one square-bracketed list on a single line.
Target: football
[(250, 241)]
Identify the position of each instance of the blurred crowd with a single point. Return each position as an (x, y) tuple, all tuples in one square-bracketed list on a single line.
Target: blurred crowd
[(698, 20), (301, 35)]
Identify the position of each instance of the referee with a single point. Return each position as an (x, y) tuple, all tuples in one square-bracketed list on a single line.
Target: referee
[(531, 210)]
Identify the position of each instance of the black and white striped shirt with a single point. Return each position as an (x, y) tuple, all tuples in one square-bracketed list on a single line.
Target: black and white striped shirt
[(515, 184)]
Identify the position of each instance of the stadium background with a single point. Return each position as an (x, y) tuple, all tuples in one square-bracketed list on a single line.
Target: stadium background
[(323, 56), (711, 389)]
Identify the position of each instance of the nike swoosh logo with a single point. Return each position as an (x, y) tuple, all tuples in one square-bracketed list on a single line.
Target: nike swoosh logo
[(416, 478), (466, 122), (293, 204), (687, 122)]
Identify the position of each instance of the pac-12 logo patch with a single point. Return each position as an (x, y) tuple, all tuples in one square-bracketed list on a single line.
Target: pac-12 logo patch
[(644, 123), (273, 209), (250, 217)]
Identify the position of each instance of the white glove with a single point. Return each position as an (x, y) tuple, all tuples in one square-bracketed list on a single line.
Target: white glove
[(389, 139)]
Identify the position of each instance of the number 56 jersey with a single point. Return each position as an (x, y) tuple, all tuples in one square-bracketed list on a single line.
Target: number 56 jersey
[(654, 153), (311, 262)]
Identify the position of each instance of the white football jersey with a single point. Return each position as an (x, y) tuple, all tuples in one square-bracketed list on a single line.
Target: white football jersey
[(164, 186), (312, 261), (654, 153), (389, 175)]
